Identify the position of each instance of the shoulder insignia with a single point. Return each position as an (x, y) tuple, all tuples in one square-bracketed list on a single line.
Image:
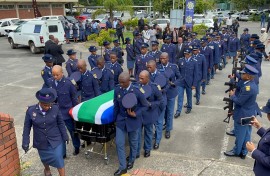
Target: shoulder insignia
[(142, 91), (159, 88), (112, 71), (42, 72), (95, 76), (247, 88), (73, 82)]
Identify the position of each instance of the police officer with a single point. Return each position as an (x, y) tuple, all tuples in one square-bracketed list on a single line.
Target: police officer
[(208, 53), (172, 74), (158, 78), (115, 67), (234, 46), (128, 120), (137, 42), (107, 79), (169, 48), (88, 85), (155, 53), (150, 116), (71, 64), (87, 27), (221, 47), (253, 41), (46, 73), (67, 32), (244, 39), (141, 60), (130, 56), (195, 41), (107, 51), (226, 38), (75, 32), (92, 59), (202, 71), (216, 58), (188, 68), (188, 43), (81, 32), (244, 106), (66, 99), (119, 51)]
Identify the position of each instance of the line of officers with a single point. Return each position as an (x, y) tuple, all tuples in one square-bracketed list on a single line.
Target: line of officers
[(159, 77)]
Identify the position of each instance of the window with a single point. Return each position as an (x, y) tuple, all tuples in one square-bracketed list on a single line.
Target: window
[(37, 29), (57, 5), (19, 29), (53, 28), (25, 7), (5, 23), (6, 7), (43, 6)]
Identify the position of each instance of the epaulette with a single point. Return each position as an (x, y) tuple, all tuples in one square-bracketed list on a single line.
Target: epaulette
[(174, 65)]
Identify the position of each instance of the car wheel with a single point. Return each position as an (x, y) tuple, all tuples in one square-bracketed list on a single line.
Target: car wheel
[(33, 48), (12, 44)]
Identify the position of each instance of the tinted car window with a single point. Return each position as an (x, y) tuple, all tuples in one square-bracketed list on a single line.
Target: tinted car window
[(53, 28), (37, 28)]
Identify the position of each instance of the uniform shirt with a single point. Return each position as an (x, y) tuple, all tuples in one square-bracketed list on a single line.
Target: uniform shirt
[(106, 55), (122, 119), (156, 55), (92, 59), (171, 50), (116, 69), (48, 128), (67, 29), (141, 62), (215, 49), (119, 53), (71, 66), (46, 74), (234, 44), (106, 81), (75, 29), (226, 38), (208, 53), (244, 40), (89, 86), (202, 69), (66, 95), (189, 71), (221, 47), (137, 42), (130, 52)]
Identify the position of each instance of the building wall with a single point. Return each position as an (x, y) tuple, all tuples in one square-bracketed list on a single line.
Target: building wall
[(8, 13)]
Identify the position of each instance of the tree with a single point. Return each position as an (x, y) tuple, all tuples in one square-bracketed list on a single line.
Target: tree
[(204, 5), (246, 4)]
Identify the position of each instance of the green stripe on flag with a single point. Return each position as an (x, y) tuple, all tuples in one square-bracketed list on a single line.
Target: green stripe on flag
[(88, 109)]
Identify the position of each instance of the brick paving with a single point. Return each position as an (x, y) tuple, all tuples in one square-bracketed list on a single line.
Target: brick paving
[(150, 172)]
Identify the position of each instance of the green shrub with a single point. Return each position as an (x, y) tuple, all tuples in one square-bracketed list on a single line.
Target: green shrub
[(200, 29), (104, 35), (92, 37), (255, 17), (111, 31)]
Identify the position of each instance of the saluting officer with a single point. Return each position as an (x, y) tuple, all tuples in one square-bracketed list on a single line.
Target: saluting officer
[(107, 78), (244, 106), (46, 73), (88, 85), (188, 68), (155, 53), (216, 57), (162, 82), (71, 64), (128, 119), (202, 71), (141, 60), (208, 53), (107, 51), (115, 67), (169, 48), (92, 59), (150, 116), (66, 99), (172, 74)]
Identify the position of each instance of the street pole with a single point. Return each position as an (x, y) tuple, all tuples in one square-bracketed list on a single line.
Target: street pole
[(173, 4)]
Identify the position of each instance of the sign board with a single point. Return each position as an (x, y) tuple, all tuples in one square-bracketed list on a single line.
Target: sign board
[(176, 18)]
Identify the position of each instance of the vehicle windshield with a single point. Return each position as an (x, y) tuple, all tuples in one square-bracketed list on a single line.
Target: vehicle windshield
[(71, 18), (101, 16), (14, 21), (118, 14), (19, 22)]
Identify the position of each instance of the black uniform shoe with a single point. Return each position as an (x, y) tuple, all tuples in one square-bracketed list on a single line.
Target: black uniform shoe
[(230, 133), (76, 152), (156, 146), (130, 166), (207, 83), (194, 95), (188, 111), (185, 106), (242, 156), (203, 92), (230, 153), (64, 156), (167, 134), (146, 154), (120, 172), (197, 102), (176, 115)]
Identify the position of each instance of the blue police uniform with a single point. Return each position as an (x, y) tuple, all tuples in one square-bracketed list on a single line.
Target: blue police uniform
[(82, 32), (66, 99), (117, 70), (188, 44), (202, 73), (130, 56), (106, 54), (141, 62), (137, 46), (156, 55), (208, 53), (216, 57), (67, 31), (171, 91), (150, 117), (234, 46), (119, 53), (196, 41), (244, 40), (126, 124), (75, 31), (71, 66), (46, 74), (226, 38), (222, 52), (87, 29), (189, 71), (92, 59), (107, 80), (89, 86), (171, 50)]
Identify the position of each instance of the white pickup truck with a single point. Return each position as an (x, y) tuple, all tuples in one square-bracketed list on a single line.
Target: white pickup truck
[(35, 33)]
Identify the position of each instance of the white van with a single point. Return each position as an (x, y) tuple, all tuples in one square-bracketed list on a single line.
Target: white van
[(35, 33)]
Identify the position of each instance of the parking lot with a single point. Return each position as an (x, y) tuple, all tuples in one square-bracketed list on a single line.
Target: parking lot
[(195, 148)]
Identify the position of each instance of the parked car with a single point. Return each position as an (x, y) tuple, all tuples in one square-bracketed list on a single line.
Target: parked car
[(14, 26), (6, 22), (162, 23), (207, 22), (118, 15), (243, 17), (253, 11), (236, 16), (198, 16), (71, 19), (35, 33), (102, 24)]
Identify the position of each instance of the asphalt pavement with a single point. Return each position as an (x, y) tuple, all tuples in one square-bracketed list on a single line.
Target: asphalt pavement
[(197, 141)]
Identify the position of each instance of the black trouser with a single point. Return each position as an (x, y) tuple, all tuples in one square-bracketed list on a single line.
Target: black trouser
[(268, 26), (121, 36)]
